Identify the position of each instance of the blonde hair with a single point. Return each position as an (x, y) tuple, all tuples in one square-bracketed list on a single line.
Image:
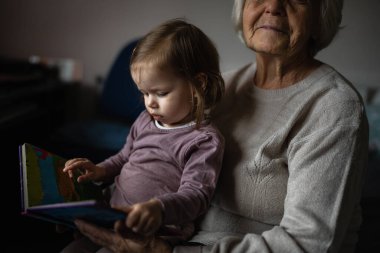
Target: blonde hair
[(329, 15), (187, 51)]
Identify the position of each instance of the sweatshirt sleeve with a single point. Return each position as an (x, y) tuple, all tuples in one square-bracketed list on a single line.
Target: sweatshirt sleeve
[(203, 161)]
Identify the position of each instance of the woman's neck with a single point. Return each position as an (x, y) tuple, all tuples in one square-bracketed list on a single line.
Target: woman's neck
[(276, 73)]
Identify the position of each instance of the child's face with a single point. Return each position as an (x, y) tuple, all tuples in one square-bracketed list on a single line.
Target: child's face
[(167, 97)]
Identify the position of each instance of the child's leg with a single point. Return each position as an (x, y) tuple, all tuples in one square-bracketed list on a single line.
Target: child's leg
[(104, 250), (82, 244), (175, 234)]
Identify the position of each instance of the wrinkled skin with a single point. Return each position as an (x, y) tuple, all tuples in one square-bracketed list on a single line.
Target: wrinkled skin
[(122, 239)]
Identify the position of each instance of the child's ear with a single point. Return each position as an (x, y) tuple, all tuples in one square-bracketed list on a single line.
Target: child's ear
[(201, 78)]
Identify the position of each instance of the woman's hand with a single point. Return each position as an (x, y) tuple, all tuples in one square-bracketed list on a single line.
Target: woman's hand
[(85, 169), (123, 240)]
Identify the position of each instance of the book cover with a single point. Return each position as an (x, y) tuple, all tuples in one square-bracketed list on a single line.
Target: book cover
[(49, 194)]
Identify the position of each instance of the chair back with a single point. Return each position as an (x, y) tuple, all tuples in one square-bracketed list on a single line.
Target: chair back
[(120, 96)]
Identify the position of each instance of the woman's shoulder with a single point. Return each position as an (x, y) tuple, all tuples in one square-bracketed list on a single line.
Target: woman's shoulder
[(238, 75), (337, 88), (330, 99)]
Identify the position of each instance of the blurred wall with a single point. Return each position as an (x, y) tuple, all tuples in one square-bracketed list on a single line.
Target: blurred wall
[(92, 31)]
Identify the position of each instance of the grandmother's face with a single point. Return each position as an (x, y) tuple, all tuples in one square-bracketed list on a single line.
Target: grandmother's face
[(278, 27)]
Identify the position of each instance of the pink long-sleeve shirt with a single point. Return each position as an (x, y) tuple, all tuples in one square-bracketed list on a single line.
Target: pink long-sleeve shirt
[(178, 166)]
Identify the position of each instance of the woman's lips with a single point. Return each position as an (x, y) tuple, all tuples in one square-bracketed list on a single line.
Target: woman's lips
[(273, 28)]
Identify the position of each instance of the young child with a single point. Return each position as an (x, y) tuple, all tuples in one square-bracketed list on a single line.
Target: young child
[(168, 169)]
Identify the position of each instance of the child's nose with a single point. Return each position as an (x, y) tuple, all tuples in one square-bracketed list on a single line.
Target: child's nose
[(151, 102)]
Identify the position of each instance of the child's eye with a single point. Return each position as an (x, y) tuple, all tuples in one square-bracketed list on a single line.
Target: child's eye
[(162, 94)]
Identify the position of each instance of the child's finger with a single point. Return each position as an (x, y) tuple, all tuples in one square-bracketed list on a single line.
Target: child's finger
[(133, 219)]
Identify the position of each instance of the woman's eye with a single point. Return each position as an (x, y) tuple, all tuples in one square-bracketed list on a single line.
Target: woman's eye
[(300, 1)]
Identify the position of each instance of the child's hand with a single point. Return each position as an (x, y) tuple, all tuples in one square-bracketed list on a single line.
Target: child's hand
[(145, 218), (87, 170)]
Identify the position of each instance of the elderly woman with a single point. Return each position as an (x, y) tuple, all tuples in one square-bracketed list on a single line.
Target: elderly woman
[(296, 142)]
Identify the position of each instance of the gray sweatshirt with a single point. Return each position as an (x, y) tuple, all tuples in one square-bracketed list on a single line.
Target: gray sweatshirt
[(293, 167)]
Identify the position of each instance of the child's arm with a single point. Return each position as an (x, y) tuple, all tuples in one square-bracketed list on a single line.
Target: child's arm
[(203, 162)]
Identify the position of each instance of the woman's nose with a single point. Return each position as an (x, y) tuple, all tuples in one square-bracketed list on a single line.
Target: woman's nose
[(275, 7)]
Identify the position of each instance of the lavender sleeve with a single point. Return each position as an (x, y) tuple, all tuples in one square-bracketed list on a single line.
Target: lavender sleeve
[(203, 161)]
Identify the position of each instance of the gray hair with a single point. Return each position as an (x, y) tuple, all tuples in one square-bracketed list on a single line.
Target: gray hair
[(330, 17)]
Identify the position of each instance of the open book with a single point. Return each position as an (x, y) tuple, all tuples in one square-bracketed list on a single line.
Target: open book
[(49, 194)]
